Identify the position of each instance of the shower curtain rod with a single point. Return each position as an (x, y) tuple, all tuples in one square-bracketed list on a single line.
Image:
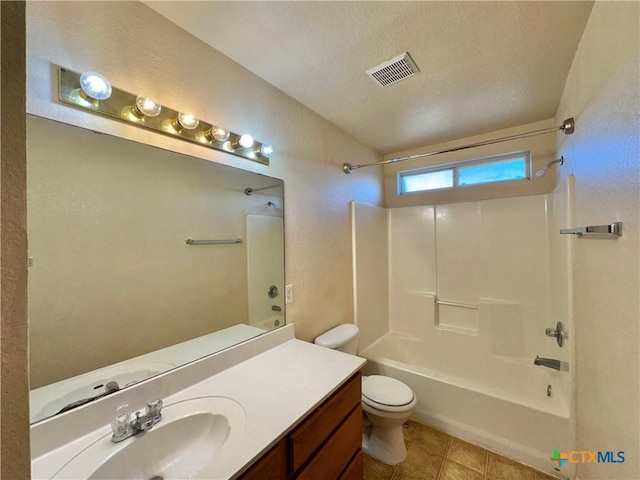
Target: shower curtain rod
[(566, 127)]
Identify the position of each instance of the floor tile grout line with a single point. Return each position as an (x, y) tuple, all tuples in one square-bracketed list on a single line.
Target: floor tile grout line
[(444, 458), (394, 471), (486, 466)]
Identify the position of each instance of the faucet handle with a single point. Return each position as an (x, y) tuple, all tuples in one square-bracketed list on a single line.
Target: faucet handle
[(558, 332), (120, 425), (154, 408)]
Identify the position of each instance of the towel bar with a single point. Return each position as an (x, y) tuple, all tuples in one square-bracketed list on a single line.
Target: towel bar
[(614, 229)]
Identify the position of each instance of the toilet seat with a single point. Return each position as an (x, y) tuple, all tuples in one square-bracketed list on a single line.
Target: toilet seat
[(386, 393)]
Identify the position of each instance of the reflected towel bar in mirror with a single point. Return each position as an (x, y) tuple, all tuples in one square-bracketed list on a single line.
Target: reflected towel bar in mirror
[(190, 241)]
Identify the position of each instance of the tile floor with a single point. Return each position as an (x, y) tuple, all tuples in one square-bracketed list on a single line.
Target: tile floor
[(434, 455)]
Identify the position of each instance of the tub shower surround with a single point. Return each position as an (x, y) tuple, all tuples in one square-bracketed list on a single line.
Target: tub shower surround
[(471, 289)]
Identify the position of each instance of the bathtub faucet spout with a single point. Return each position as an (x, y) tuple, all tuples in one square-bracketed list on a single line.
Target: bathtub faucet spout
[(551, 363)]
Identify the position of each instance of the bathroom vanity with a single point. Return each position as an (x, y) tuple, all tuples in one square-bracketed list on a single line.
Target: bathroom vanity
[(272, 407), (326, 444)]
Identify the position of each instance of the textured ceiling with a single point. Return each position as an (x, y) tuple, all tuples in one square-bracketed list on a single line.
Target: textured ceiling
[(484, 65)]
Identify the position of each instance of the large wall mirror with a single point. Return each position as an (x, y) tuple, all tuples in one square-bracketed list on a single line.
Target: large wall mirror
[(116, 293)]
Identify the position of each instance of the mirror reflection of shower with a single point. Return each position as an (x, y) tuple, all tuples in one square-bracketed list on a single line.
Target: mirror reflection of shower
[(542, 172)]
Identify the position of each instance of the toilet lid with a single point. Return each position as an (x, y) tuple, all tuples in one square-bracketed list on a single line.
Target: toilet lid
[(386, 391)]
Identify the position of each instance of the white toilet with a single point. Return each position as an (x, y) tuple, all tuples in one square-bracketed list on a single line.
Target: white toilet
[(387, 402)]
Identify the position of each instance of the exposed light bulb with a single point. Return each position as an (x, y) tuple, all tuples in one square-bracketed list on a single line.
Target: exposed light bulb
[(246, 141), (219, 133), (95, 86), (266, 150), (188, 121), (147, 107)]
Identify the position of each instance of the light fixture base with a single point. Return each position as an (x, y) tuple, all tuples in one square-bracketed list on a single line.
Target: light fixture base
[(121, 105)]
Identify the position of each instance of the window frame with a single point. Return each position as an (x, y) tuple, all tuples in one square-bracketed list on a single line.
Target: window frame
[(455, 166)]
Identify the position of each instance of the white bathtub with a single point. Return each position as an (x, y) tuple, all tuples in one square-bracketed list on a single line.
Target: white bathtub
[(497, 402)]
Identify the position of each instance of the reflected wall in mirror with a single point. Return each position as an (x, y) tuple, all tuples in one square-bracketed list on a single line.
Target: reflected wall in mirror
[(115, 293)]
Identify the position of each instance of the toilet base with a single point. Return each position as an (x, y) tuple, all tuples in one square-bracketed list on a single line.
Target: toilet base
[(384, 444)]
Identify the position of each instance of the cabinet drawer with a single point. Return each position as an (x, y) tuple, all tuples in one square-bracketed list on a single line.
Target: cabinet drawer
[(355, 469), (335, 455), (271, 466), (314, 431)]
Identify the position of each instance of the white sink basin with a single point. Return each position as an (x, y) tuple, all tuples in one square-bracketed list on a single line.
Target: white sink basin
[(193, 436)]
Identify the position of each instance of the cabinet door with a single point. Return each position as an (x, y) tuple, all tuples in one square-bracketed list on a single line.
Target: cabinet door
[(271, 466), (336, 454), (313, 432), (355, 469)]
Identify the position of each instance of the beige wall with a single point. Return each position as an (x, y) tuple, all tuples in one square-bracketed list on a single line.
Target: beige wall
[(602, 92), (14, 407), (542, 150), (140, 51), (108, 219)]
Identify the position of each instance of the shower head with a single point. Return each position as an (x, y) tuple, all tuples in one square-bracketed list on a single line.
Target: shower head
[(543, 171)]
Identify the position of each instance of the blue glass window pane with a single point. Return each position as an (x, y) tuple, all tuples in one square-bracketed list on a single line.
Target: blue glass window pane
[(501, 171), (419, 182)]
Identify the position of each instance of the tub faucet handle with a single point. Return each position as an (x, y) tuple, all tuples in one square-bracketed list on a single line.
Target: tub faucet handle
[(558, 332)]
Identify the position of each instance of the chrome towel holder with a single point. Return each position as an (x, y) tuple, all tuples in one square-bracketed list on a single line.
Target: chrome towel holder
[(612, 230)]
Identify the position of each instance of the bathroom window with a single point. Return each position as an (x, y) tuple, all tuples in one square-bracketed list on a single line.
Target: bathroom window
[(505, 168)]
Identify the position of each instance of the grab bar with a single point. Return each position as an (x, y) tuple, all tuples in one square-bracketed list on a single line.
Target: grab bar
[(457, 304), (189, 241), (611, 229)]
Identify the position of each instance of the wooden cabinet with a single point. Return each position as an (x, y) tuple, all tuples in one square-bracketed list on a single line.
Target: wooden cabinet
[(325, 446), (271, 466)]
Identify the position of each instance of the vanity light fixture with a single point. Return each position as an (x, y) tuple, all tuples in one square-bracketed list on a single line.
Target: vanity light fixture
[(146, 107), (218, 133), (187, 120), (245, 141), (266, 150), (93, 88), (142, 108), (91, 91)]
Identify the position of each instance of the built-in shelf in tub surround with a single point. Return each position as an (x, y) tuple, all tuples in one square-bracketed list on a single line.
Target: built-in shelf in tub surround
[(276, 379)]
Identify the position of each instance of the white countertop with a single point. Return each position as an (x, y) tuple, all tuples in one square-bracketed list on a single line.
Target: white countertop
[(276, 389)]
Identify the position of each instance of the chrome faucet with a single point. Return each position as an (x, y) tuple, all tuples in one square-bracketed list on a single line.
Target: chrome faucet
[(124, 427), (551, 363)]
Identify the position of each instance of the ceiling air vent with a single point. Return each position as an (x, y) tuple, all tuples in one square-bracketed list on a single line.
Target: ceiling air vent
[(394, 70)]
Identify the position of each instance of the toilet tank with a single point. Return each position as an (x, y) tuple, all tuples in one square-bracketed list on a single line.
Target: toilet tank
[(343, 338)]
